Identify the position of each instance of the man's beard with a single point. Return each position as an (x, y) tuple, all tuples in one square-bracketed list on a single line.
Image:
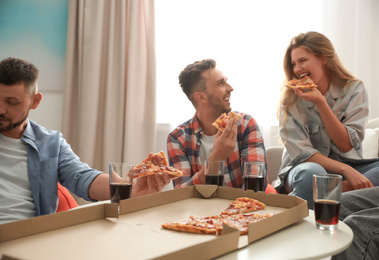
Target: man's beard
[(216, 105), (11, 125)]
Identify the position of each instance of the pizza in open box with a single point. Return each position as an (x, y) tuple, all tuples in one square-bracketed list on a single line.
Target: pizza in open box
[(235, 216)]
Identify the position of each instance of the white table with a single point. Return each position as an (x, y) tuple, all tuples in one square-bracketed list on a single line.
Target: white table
[(301, 240)]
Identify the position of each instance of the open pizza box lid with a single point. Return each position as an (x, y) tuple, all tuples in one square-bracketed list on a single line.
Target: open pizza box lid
[(134, 230)]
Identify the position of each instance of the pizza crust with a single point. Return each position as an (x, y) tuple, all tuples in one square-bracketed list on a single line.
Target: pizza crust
[(243, 205), (155, 163), (302, 83), (223, 120), (207, 225)]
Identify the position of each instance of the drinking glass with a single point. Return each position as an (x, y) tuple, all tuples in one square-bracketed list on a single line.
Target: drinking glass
[(326, 200), (214, 172), (120, 181), (253, 174)]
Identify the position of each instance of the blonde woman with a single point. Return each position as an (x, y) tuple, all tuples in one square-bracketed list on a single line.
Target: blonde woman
[(322, 128)]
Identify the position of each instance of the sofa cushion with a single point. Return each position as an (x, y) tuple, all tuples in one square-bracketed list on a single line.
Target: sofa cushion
[(370, 144), (65, 199), (270, 189)]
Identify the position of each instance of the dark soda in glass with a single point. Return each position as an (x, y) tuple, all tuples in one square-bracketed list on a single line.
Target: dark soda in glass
[(120, 191), (327, 212), (214, 179), (254, 183)]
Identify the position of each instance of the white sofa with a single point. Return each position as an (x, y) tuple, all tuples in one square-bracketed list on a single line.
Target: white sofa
[(370, 147)]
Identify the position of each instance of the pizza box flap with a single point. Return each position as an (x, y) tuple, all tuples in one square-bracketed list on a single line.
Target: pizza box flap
[(203, 191), (225, 243), (156, 199), (111, 210), (275, 200), (206, 191), (36, 225), (285, 218), (6, 257), (161, 198)]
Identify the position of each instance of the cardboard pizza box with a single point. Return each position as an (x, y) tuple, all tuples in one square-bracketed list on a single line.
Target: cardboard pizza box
[(134, 230)]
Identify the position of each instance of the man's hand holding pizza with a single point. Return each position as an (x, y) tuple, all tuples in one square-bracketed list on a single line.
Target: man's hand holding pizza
[(225, 141), (150, 184)]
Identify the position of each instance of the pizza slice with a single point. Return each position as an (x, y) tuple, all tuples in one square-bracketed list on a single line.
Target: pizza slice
[(302, 83), (243, 205), (223, 120), (242, 221), (207, 225), (158, 158), (214, 224), (155, 163)]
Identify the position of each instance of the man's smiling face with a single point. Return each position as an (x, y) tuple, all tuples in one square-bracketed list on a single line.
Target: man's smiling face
[(218, 91)]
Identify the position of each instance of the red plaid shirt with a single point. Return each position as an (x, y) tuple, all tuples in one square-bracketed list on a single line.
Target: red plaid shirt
[(183, 145)]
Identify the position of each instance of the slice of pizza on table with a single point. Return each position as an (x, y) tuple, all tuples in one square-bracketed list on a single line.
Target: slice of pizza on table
[(155, 163), (303, 83), (223, 120)]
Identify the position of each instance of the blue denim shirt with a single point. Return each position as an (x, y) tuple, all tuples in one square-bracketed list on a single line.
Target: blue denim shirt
[(305, 133), (51, 159)]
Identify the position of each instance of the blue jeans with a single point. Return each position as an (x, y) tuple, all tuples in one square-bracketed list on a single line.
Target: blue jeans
[(360, 211), (299, 178)]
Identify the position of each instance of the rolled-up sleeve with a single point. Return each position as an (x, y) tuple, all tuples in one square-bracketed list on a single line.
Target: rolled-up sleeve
[(355, 116), (74, 174)]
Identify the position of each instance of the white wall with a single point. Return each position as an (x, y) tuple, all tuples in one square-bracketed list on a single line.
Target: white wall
[(49, 112)]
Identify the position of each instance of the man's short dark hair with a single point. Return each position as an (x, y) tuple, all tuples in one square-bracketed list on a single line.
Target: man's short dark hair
[(14, 71), (190, 79)]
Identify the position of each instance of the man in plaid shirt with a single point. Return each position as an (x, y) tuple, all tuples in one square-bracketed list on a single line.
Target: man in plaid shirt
[(196, 140)]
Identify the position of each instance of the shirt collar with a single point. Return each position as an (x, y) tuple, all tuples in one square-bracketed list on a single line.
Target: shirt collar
[(195, 125), (335, 91), (28, 132)]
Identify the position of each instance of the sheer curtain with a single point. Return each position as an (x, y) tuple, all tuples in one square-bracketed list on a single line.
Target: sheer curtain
[(109, 100), (354, 31)]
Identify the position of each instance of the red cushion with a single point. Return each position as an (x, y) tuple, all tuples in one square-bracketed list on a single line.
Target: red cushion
[(270, 189), (65, 199)]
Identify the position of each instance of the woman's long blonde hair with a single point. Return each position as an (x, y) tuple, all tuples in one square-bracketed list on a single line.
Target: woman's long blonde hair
[(321, 46)]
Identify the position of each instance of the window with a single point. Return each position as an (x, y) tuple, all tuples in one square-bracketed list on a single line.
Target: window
[(246, 38)]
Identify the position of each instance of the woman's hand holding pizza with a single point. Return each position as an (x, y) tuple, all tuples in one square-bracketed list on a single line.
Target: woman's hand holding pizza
[(313, 95)]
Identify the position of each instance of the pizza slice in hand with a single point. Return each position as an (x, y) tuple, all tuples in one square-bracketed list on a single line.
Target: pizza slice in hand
[(223, 120), (302, 83), (155, 163)]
